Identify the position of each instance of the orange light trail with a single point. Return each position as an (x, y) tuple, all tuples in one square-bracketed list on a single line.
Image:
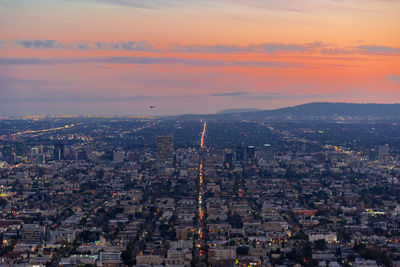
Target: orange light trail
[(203, 135), (201, 171), (41, 131)]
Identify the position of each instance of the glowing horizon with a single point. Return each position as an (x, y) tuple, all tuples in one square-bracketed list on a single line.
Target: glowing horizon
[(121, 56)]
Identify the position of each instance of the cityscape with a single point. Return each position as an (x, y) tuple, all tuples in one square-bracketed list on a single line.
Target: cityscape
[(196, 192), (199, 133)]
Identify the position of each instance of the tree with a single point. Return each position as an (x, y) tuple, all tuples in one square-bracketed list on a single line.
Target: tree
[(320, 244), (235, 221), (242, 250), (3, 202), (127, 255)]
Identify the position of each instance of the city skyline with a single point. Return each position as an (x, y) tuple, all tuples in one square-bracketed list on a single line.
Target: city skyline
[(120, 57)]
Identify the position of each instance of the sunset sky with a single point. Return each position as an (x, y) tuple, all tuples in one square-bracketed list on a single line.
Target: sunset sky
[(118, 57)]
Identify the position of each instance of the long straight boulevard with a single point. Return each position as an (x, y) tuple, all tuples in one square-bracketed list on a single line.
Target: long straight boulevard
[(200, 241)]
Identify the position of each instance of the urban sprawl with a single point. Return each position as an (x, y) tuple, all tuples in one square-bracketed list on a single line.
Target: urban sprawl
[(197, 192)]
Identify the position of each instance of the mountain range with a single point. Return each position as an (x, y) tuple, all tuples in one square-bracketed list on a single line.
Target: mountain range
[(313, 110)]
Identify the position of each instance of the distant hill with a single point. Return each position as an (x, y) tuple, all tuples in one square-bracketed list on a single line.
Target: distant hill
[(238, 110), (326, 109), (314, 110)]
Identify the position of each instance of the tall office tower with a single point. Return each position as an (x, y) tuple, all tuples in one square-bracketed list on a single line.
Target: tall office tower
[(34, 150), (383, 154), (13, 158), (82, 155), (229, 159), (6, 153), (372, 154), (34, 154), (59, 151), (239, 153), (19, 148), (219, 155), (251, 152), (165, 148), (267, 152)]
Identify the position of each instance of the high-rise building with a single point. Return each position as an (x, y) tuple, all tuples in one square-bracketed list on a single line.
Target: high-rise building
[(19, 148), (82, 155), (239, 153), (229, 159), (219, 155), (383, 154), (251, 153), (36, 154), (59, 151), (372, 154), (13, 158), (6, 153), (165, 148), (267, 152), (34, 151)]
